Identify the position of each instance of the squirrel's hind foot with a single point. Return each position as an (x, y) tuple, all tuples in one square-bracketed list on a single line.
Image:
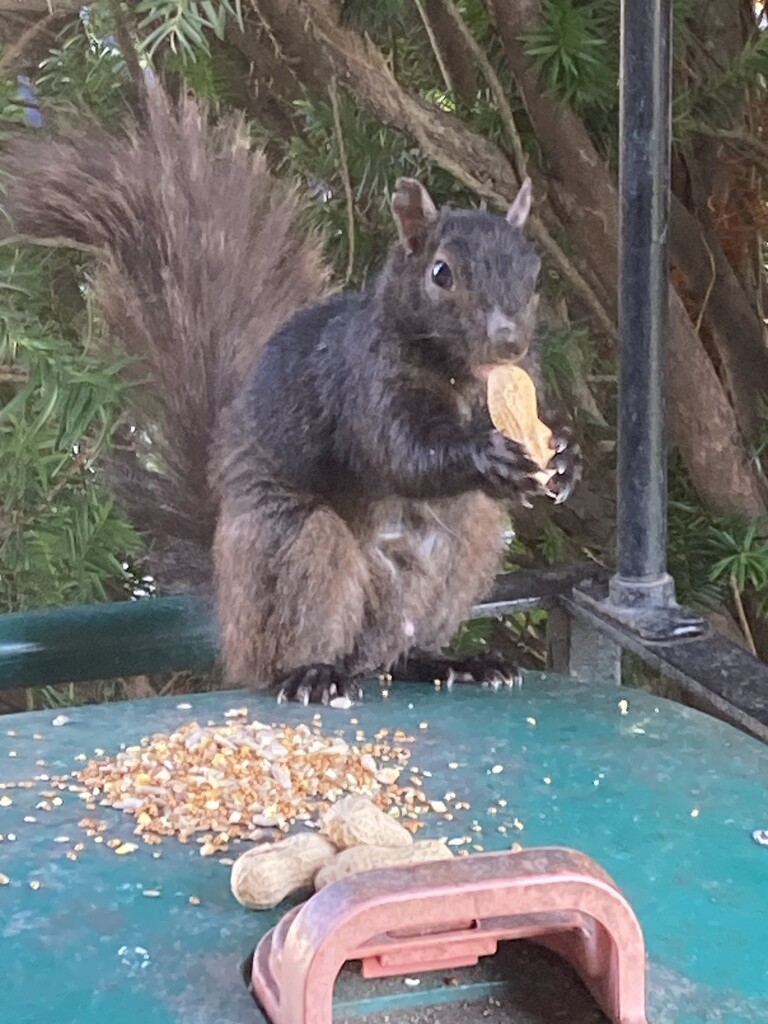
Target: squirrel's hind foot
[(317, 684), (488, 668)]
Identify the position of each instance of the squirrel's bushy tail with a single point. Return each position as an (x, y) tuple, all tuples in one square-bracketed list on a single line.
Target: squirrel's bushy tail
[(202, 257)]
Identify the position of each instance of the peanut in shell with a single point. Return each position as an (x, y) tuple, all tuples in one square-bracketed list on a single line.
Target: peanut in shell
[(365, 858), (264, 875), (357, 821), (513, 410)]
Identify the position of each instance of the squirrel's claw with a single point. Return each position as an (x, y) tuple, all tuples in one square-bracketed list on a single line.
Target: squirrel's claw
[(488, 668), (318, 684), (566, 463), (507, 470)]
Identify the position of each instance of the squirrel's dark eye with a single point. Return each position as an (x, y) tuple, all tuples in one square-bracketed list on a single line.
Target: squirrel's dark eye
[(441, 274)]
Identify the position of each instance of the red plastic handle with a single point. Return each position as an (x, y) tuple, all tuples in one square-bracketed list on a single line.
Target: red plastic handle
[(394, 920)]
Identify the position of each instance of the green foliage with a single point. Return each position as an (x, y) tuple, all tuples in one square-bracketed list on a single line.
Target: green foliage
[(12, 110), (566, 353), (571, 52), (85, 71), (717, 91), (745, 558), (711, 554), (555, 545), (691, 554), (575, 50), (61, 539), (520, 636), (183, 25), (209, 75)]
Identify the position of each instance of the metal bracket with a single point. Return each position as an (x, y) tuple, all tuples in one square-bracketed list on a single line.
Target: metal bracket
[(653, 624)]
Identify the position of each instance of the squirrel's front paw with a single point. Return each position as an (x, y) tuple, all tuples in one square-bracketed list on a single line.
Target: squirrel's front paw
[(317, 684), (506, 469), (566, 462)]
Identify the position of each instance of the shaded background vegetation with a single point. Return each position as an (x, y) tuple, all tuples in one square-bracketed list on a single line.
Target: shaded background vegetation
[(347, 95)]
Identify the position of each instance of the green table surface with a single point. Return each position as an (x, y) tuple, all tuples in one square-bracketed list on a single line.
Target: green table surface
[(665, 798)]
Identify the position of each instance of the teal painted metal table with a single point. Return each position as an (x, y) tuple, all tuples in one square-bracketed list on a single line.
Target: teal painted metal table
[(664, 798)]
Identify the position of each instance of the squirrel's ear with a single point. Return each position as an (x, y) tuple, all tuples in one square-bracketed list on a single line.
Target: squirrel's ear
[(518, 212), (414, 211)]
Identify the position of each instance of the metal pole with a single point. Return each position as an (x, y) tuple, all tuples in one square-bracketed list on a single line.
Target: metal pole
[(641, 579)]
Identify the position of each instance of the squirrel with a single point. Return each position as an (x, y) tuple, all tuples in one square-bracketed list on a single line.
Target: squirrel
[(323, 461)]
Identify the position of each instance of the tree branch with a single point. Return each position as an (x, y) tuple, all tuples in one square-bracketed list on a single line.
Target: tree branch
[(427, 23), (350, 200), (461, 71), (479, 55)]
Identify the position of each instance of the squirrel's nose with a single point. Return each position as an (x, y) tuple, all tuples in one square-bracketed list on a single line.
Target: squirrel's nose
[(504, 334)]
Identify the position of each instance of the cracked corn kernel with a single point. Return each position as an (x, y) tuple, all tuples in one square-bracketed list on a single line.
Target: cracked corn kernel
[(124, 848)]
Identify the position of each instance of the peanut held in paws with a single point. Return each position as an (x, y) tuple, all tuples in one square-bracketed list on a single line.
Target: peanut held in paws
[(513, 410)]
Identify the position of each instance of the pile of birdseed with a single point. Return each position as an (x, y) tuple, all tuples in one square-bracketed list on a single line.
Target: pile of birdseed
[(215, 783)]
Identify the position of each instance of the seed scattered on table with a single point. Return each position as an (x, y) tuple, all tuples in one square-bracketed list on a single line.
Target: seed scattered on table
[(125, 848), (217, 783)]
